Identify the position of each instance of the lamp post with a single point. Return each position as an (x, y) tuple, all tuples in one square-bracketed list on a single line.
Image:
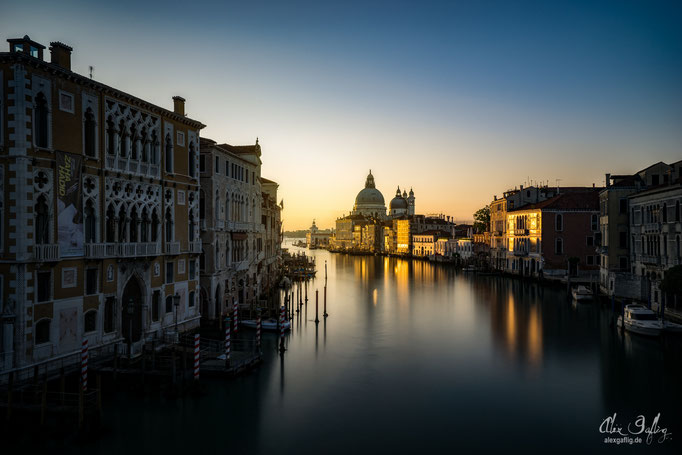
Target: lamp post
[(130, 309)]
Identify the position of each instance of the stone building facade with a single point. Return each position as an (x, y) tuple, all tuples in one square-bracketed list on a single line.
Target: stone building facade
[(100, 198)]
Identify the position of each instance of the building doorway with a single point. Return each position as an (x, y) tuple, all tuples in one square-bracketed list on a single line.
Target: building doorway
[(131, 310)]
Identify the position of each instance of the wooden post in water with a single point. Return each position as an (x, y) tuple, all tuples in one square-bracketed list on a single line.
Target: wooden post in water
[(228, 346), (325, 314), (81, 407), (99, 394), (10, 386), (317, 294), (281, 330)]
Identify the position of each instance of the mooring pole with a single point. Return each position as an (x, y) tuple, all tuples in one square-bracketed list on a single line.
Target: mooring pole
[(281, 331), (317, 294), (325, 314), (228, 347)]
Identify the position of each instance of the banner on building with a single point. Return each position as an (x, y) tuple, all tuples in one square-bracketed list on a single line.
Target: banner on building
[(69, 205)]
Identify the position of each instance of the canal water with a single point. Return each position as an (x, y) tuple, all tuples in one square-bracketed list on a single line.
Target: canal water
[(417, 358)]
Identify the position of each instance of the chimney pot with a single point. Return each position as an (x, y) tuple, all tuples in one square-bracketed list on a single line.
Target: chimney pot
[(61, 54), (608, 180), (179, 105)]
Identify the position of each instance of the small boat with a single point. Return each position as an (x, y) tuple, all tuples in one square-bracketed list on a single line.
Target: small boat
[(581, 293), (270, 325), (639, 319), (672, 327)]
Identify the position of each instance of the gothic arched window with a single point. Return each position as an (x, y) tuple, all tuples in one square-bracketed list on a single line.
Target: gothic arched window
[(89, 130), (90, 223), (41, 121), (42, 223), (111, 224), (169, 153), (155, 226), (144, 226), (169, 226)]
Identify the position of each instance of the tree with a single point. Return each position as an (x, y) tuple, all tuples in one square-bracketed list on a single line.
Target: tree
[(482, 220)]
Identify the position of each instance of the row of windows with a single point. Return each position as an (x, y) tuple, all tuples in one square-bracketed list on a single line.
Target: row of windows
[(656, 213), (233, 170)]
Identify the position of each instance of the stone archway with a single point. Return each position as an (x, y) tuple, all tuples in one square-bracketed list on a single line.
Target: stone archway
[(131, 321)]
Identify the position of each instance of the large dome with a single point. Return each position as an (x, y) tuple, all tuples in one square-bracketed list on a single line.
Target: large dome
[(369, 196), (369, 200)]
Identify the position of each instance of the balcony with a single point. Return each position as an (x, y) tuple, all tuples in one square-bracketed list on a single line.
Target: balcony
[(119, 164), (46, 252), (520, 231), (520, 253), (97, 250), (195, 246), (219, 224), (120, 250), (242, 226), (172, 248), (649, 259), (202, 224)]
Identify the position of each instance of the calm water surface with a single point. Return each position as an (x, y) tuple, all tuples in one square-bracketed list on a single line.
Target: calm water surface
[(415, 358)]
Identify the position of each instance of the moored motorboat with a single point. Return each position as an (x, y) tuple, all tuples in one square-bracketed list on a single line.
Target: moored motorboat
[(641, 320), (270, 324), (672, 327), (581, 293)]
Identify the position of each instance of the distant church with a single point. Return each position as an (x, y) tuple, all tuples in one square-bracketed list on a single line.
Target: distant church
[(370, 202)]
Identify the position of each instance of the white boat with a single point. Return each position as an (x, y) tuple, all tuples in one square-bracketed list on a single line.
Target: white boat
[(672, 327), (270, 324), (581, 293), (640, 319)]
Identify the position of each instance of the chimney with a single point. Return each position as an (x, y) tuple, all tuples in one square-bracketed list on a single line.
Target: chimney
[(179, 105), (608, 180), (60, 55), (521, 187)]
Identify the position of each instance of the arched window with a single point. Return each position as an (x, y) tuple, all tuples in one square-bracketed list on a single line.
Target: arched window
[(227, 253), (144, 149), (155, 226), (559, 223), (42, 221), (122, 224), (559, 249), (227, 206), (191, 160), (144, 226), (111, 136), (90, 321), (90, 223), (169, 226), (169, 153), (89, 126), (665, 213), (154, 149), (216, 215), (42, 331), (109, 313), (133, 142), (123, 139), (217, 255), (133, 225), (41, 121), (191, 226), (111, 224)]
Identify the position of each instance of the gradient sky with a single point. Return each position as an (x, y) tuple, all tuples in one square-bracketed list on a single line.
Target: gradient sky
[(459, 100)]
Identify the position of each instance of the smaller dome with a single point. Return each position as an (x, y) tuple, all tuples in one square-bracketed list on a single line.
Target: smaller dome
[(398, 203)]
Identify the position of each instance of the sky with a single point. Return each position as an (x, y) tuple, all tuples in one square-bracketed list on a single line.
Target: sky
[(459, 100)]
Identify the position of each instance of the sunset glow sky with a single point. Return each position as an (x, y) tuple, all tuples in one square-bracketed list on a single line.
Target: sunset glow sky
[(459, 100)]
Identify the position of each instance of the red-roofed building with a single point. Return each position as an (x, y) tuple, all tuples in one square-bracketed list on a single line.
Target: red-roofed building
[(555, 237)]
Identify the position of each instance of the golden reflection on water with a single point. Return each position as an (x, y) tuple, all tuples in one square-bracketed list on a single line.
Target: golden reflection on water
[(534, 337), (511, 326)]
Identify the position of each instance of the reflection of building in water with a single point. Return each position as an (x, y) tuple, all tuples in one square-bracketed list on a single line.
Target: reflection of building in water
[(516, 323)]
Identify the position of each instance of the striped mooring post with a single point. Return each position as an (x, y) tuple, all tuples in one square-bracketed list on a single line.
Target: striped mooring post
[(84, 365), (258, 328), (197, 355), (282, 318), (236, 316), (227, 341)]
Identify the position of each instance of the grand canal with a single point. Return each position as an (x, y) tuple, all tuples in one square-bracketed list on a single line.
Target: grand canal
[(416, 358)]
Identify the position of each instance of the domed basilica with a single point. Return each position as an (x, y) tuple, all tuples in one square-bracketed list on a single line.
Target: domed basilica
[(370, 202)]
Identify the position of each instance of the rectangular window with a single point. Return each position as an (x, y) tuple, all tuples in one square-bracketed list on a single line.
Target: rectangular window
[(191, 299), (91, 276), (202, 163), (623, 206), (623, 239), (169, 304), (65, 102), (590, 241), (169, 272), (180, 138), (181, 267), (590, 260), (192, 269), (156, 302), (217, 165), (227, 169), (44, 286), (623, 262)]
